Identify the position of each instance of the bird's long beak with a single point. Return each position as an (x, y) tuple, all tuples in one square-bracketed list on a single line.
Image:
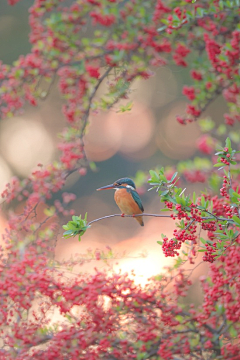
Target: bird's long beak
[(111, 186)]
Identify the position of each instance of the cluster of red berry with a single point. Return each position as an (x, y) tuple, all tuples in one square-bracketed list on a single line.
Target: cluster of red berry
[(223, 190), (223, 160), (209, 257)]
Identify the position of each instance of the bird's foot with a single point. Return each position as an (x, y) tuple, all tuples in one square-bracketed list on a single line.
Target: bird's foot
[(122, 215)]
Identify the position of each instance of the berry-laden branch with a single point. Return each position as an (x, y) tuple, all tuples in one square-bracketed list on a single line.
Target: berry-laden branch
[(223, 230), (116, 318)]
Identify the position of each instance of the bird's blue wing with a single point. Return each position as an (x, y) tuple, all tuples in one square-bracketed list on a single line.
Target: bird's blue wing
[(137, 199)]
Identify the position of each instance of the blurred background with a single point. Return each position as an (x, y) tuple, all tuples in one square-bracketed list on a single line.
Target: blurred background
[(120, 144)]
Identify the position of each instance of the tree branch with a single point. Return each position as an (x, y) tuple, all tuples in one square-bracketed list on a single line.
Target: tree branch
[(159, 215)]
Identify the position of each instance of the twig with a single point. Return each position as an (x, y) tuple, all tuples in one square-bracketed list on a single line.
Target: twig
[(189, 224), (87, 112), (191, 270), (232, 242), (123, 215), (158, 215)]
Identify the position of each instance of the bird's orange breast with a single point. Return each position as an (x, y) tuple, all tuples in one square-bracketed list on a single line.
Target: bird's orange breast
[(126, 203)]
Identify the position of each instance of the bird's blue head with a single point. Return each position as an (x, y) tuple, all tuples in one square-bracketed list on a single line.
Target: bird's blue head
[(120, 183), (125, 181)]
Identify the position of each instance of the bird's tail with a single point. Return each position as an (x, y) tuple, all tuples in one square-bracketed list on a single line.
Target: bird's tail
[(140, 220)]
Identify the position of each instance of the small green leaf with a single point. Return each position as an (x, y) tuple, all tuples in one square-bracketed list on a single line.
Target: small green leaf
[(229, 145), (218, 164), (236, 219), (179, 200), (75, 218), (154, 176), (233, 332), (173, 177), (162, 177), (161, 28), (67, 233)]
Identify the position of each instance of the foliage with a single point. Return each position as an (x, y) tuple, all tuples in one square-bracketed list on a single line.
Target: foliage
[(104, 316), (222, 226), (77, 226)]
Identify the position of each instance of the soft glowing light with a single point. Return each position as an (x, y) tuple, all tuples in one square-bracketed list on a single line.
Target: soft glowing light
[(158, 90), (167, 87), (175, 140), (137, 127), (143, 153), (103, 138), (5, 174), (25, 143), (129, 254), (145, 242)]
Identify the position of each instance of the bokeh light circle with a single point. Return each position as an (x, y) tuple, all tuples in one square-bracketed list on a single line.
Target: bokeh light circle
[(25, 143)]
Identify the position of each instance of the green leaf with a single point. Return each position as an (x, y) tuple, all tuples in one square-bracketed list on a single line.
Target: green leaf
[(171, 199), (67, 233), (154, 176), (219, 164), (229, 145), (179, 200), (233, 332), (236, 220), (202, 240), (165, 21), (93, 166), (161, 28), (162, 177), (72, 225), (231, 191), (173, 177), (200, 11)]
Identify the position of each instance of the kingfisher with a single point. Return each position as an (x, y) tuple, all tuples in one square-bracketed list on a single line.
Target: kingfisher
[(127, 198)]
